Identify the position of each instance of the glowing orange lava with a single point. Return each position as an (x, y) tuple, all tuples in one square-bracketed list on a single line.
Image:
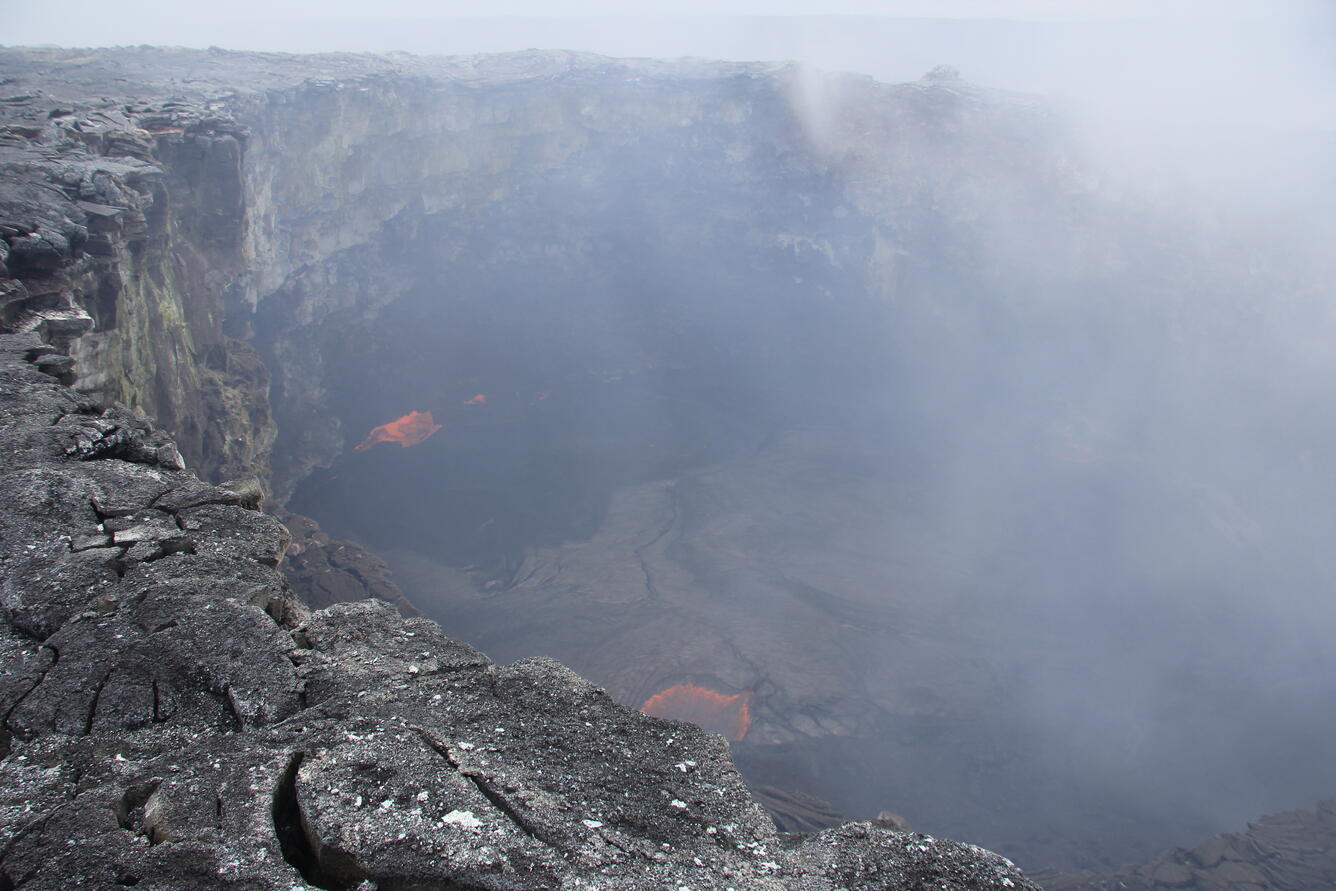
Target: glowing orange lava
[(722, 713), (411, 429), (478, 399)]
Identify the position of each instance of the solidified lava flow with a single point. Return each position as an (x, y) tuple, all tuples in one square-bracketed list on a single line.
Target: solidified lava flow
[(411, 429), (726, 714)]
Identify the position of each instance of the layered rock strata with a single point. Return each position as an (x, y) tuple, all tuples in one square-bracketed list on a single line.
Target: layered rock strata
[(174, 718), (122, 225)]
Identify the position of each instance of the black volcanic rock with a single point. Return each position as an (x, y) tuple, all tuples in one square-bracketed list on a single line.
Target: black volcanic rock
[(796, 812), (865, 857), (325, 571), (174, 718)]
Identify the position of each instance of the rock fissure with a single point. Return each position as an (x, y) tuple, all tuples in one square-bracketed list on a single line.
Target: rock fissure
[(488, 789), (37, 682), (36, 825), (289, 827), (96, 697), (239, 722), (130, 808)]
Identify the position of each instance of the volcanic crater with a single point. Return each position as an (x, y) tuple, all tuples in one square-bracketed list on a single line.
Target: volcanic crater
[(775, 401)]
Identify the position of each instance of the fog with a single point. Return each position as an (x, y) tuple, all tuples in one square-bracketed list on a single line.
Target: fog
[(1077, 452), (1094, 427), (992, 465)]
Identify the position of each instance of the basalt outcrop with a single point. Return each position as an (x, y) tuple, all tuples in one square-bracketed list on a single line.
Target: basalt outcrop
[(329, 570), (175, 718)]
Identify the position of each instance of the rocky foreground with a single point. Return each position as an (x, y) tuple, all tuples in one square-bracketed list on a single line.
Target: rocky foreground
[(175, 718)]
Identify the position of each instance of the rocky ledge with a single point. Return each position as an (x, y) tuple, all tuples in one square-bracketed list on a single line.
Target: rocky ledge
[(175, 718)]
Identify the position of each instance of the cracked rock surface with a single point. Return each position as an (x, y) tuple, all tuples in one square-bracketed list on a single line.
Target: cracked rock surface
[(175, 718)]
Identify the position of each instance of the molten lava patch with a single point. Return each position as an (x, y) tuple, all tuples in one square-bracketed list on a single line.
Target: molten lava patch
[(411, 429), (726, 714)]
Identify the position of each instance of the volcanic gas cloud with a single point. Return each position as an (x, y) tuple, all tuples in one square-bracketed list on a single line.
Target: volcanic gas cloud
[(726, 714), (411, 429)]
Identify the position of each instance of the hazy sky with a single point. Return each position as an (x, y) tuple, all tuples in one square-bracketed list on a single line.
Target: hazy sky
[(1220, 61), (28, 22), (256, 24)]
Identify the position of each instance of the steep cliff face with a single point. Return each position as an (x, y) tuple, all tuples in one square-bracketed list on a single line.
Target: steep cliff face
[(275, 198), (548, 206), (125, 225)]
